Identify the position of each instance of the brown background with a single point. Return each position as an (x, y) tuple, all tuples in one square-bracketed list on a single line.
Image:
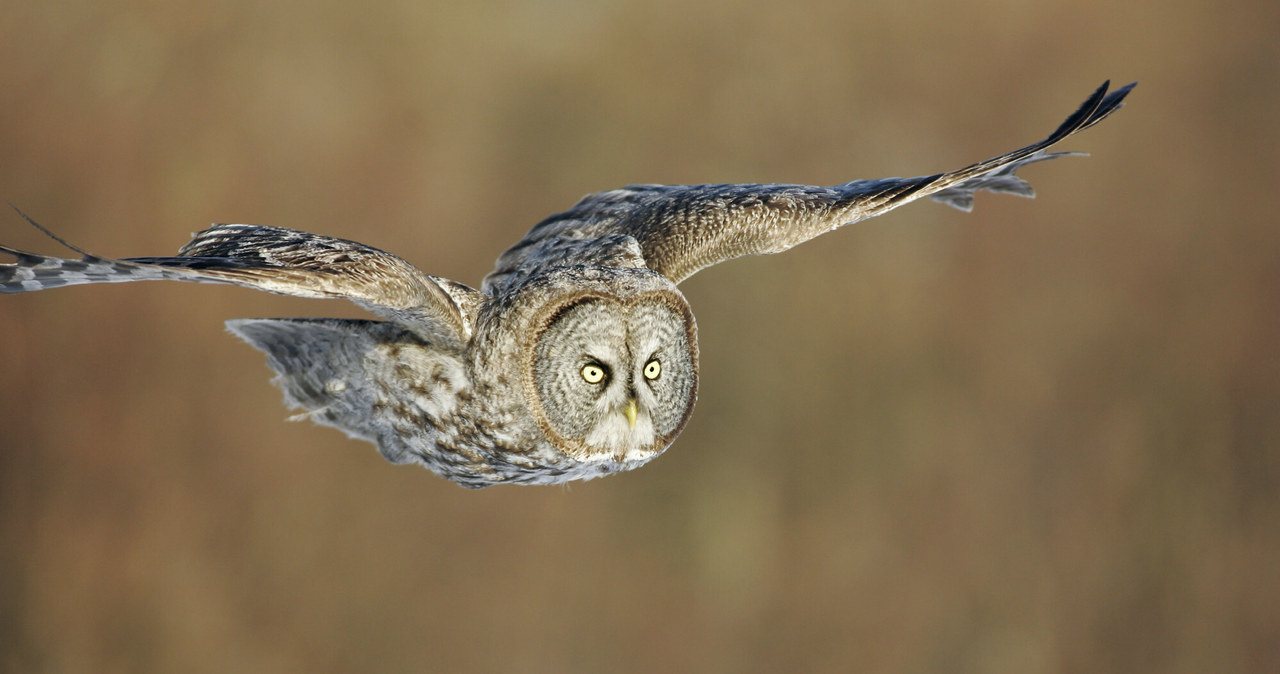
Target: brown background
[(1042, 437)]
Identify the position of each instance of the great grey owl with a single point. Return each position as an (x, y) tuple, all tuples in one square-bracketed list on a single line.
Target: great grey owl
[(577, 358)]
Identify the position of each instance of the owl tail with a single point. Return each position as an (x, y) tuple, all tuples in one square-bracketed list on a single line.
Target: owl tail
[(347, 374)]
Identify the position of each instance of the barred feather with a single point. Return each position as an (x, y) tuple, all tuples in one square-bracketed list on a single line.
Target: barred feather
[(275, 260)]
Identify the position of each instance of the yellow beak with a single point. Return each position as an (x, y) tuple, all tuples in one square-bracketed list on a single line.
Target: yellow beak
[(630, 411)]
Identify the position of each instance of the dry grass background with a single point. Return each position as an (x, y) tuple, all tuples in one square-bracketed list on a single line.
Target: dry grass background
[(1043, 437)]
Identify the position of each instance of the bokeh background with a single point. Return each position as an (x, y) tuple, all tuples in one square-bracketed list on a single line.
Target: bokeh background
[(1041, 437)]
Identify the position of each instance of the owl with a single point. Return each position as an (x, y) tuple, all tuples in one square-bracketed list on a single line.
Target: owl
[(578, 355)]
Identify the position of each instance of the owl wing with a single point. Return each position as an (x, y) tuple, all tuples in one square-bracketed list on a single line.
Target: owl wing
[(681, 229), (277, 260)]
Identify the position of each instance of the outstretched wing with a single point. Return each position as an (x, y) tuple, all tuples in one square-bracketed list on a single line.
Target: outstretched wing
[(684, 228), (277, 260)]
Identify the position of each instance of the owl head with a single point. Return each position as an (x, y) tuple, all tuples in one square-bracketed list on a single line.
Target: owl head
[(609, 362)]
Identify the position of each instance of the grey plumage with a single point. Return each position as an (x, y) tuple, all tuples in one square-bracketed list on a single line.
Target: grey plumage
[(576, 358)]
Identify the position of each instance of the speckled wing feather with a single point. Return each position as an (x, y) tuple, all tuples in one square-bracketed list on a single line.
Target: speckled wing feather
[(373, 380), (681, 229), (277, 260)]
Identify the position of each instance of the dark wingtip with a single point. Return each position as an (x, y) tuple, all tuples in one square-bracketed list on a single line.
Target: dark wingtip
[(1114, 101), (1097, 107), (1082, 114)]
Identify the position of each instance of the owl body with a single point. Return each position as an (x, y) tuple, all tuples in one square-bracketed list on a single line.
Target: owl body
[(578, 355), (512, 404)]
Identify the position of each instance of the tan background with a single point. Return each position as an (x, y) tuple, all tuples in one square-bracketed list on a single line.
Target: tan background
[(1042, 437)]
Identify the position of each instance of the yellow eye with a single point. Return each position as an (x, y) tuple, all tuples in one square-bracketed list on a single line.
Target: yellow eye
[(652, 369), (593, 374)]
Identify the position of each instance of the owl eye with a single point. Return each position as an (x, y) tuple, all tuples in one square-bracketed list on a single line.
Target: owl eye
[(652, 369), (593, 373)]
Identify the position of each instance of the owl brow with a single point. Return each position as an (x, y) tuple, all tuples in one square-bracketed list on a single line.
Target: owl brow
[(566, 308)]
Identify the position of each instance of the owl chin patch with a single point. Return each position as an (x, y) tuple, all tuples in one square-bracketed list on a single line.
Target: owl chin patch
[(614, 437)]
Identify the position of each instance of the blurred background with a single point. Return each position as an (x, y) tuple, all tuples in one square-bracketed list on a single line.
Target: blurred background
[(1041, 437)]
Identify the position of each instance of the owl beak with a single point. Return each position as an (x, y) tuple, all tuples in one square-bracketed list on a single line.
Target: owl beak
[(630, 411)]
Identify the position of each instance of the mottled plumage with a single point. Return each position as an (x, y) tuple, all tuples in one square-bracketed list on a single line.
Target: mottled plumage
[(578, 356)]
